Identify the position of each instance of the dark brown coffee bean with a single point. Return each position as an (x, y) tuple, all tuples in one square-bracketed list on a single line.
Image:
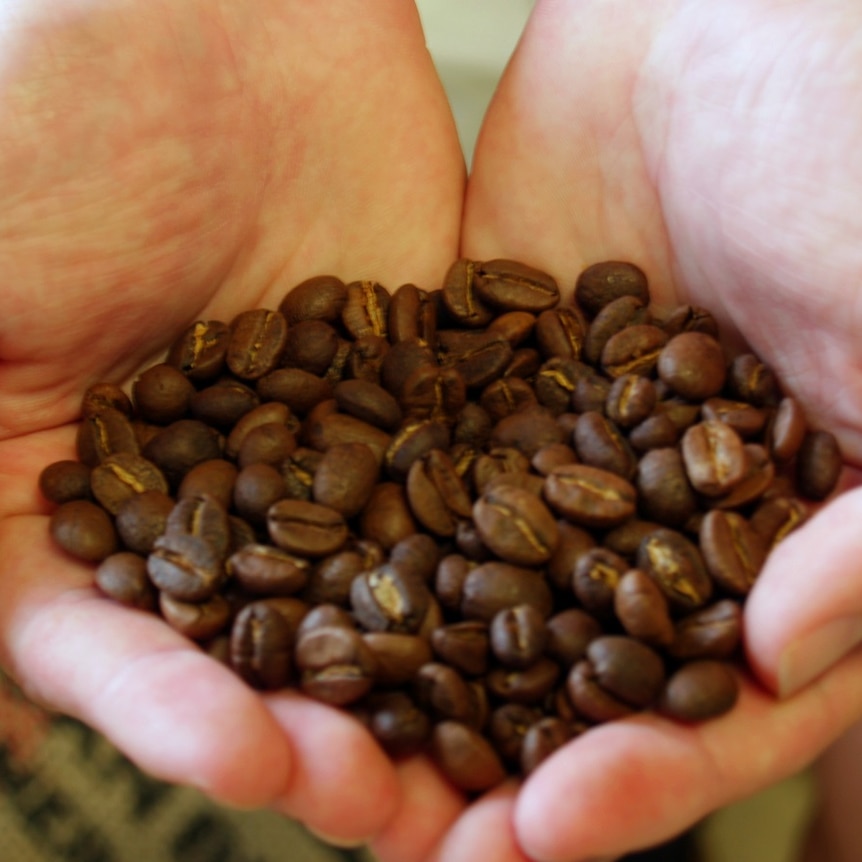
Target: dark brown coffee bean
[(215, 478), (161, 394), (200, 352), (141, 519), (84, 530), (199, 621), (506, 396), (690, 318), (460, 297), (330, 578), (336, 666), (513, 285), (590, 496), (630, 400), (388, 599), (449, 580), (604, 282), (257, 487), (306, 529), (664, 491), (714, 457), (569, 633), (786, 430), (528, 430), (746, 419), (515, 326), (186, 567), (571, 544), (181, 446), (516, 525), (551, 456), (599, 443), (105, 433), (322, 616), (734, 553), (444, 693), (64, 481), (777, 517), (415, 439), (297, 389), (530, 685), (753, 381), (260, 646), (418, 554), (613, 317), (123, 577), (257, 340), (627, 669), (401, 728), (465, 757), (699, 690), (656, 432), (123, 475), (321, 297), (387, 517), (463, 645), (345, 478), (541, 740), (507, 727), (518, 636), (401, 362), (105, 396), (397, 657), (204, 517), (818, 465), (310, 345), (556, 382), (270, 413), (437, 495), (714, 631), (412, 315), (626, 539), (480, 357), (496, 462), (594, 580), (561, 332), (633, 350), (692, 364), (366, 310), (590, 698), (270, 443), (525, 363), (369, 402), (642, 609), (677, 566), (336, 428), (223, 403), (495, 586), (264, 570)]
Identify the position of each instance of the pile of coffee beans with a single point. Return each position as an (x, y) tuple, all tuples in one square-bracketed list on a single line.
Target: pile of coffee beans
[(481, 519)]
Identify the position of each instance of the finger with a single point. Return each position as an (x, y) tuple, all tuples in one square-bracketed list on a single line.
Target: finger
[(167, 705), (342, 786), (484, 831), (427, 809), (629, 785), (805, 611)]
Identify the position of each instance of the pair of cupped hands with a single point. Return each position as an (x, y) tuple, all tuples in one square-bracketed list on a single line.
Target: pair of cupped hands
[(162, 162)]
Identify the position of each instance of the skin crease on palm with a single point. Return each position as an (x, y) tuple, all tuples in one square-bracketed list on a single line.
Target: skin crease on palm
[(165, 161)]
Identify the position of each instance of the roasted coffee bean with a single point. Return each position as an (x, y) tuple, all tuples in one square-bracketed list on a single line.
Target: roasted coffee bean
[(604, 282), (594, 580), (699, 690), (656, 432), (818, 465), (513, 285), (84, 530), (746, 419), (556, 380), (516, 525), (630, 400), (692, 364), (123, 577), (506, 396), (267, 571), (677, 566), (182, 445), (415, 439), (527, 430), (388, 599), (161, 394), (310, 345), (599, 443), (495, 462), (335, 664), (590, 698), (569, 633), (627, 669), (518, 636), (260, 646), (561, 332), (590, 496), (572, 542), (101, 396), (480, 357), (711, 632), (664, 491), (65, 480), (335, 428), (123, 475), (141, 519), (613, 317), (269, 443), (507, 727), (460, 297), (642, 609), (366, 310), (494, 586), (257, 340), (714, 457), (345, 478), (525, 363), (216, 478), (387, 518), (104, 433), (753, 381), (270, 413), (201, 351), (626, 539), (186, 567), (418, 555), (257, 488), (397, 723), (633, 350), (204, 517), (777, 517), (223, 403), (401, 362), (321, 616), (552, 455), (412, 315), (690, 318), (530, 685), (515, 326), (321, 297), (444, 693), (297, 389), (306, 529), (463, 645), (452, 571), (465, 757), (541, 740), (437, 494), (734, 553), (369, 402), (198, 621), (397, 657)]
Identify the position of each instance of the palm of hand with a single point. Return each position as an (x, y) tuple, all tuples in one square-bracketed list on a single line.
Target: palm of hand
[(236, 194)]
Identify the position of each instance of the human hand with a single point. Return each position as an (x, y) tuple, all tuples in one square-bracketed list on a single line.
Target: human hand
[(715, 146), (161, 163)]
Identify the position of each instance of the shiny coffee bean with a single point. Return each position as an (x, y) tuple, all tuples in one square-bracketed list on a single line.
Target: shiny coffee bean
[(389, 599), (677, 566), (335, 664), (256, 342), (714, 457), (714, 631), (465, 757), (601, 283), (734, 553), (321, 297), (306, 529), (495, 586), (590, 496), (692, 364), (518, 636), (642, 609), (84, 530), (260, 646), (699, 690), (512, 285), (818, 465), (123, 577), (63, 481)]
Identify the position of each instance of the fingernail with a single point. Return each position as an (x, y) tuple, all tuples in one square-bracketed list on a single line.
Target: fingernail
[(803, 661), (332, 841)]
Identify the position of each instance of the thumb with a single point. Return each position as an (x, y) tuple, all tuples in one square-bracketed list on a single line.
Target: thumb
[(805, 612)]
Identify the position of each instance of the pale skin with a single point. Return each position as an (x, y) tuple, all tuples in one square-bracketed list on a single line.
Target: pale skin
[(161, 162)]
